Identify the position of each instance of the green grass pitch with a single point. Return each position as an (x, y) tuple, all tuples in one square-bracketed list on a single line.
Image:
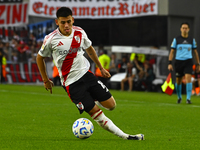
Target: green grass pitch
[(33, 119)]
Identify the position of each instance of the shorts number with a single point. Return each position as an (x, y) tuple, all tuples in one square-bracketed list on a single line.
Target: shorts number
[(103, 86)]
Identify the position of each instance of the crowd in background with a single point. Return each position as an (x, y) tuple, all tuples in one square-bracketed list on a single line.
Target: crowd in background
[(138, 67), (18, 50)]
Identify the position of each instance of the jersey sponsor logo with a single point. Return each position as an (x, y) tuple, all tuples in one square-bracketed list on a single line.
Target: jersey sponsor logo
[(80, 106), (70, 51), (60, 44), (184, 48)]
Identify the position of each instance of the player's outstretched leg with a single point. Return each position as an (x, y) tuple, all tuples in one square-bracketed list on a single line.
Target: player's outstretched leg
[(108, 125)]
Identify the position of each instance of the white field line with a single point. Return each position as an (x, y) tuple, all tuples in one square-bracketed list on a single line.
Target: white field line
[(159, 104), (34, 93), (124, 100)]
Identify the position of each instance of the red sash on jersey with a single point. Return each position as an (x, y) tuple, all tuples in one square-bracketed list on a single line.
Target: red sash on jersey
[(67, 63)]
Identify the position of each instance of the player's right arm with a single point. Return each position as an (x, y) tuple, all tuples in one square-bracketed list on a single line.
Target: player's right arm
[(171, 55), (48, 84), (44, 52), (92, 54)]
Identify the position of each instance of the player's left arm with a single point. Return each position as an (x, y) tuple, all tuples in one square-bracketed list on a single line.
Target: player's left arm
[(196, 57), (92, 54)]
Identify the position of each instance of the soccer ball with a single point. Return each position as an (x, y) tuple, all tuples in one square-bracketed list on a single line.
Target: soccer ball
[(82, 128)]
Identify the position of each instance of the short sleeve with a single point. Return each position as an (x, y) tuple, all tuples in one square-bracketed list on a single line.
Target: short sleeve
[(173, 45), (45, 50), (194, 44), (86, 41)]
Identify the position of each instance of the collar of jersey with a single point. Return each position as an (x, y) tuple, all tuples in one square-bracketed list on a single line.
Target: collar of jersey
[(64, 35)]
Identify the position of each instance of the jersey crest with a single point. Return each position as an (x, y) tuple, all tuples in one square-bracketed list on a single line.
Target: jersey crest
[(77, 38), (80, 106)]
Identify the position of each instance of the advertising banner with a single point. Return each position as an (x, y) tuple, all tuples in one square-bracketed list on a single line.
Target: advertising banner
[(95, 9), (13, 14), (25, 73)]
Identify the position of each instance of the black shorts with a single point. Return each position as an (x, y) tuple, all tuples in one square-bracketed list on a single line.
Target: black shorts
[(183, 67), (86, 90)]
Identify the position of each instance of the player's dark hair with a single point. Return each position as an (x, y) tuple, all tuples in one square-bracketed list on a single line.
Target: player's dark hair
[(185, 23), (63, 12)]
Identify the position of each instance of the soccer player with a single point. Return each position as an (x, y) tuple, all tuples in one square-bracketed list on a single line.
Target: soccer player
[(184, 46), (67, 44)]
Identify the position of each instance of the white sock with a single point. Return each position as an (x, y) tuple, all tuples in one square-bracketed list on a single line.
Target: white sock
[(107, 124)]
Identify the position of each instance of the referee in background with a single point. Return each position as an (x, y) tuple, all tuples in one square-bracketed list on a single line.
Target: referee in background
[(184, 46)]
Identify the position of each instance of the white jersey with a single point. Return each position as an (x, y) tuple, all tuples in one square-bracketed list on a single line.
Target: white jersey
[(67, 52)]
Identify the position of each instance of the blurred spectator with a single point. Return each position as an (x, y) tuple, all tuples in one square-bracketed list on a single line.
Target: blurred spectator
[(8, 50), (149, 76), (152, 58), (2, 66), (105, 62), (23, 50), (195, 81), (139, 67), (122, 66), (99, 50), (141, 57), (30, 43), (33, 53), (32, 37), (113, 65), (15, 57), (2, 44), (14, 43), (130, 75), (16, 36)]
